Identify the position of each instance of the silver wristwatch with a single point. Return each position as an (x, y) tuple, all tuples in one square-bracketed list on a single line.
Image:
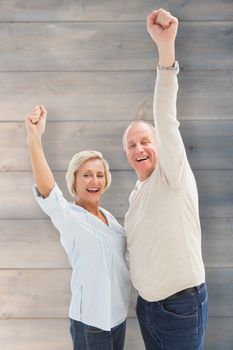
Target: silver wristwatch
[(174, 67)]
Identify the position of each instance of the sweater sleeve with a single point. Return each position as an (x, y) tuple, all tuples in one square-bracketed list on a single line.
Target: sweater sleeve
[(171, 151)]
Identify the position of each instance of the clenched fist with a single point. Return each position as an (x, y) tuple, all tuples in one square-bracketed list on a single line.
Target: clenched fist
[(162, 27), (36, 120)]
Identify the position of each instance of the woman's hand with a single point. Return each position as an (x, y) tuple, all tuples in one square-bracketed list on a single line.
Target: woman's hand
[(35, 125), (35, 121)]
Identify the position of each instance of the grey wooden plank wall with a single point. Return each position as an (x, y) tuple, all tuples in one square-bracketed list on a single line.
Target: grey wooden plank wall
[(93, 66)]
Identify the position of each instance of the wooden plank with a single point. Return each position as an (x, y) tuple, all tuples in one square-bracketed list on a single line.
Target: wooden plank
[(133, 339), (35, 335), (202, 10), (215, 193), (30, 244), (208, 143), (220, 290), (113, 95), (217, 242), (35, 244), (46, 293), (54, 335), (35, 293), (78, 10), (105, 10), (219, 334), (108, 46)]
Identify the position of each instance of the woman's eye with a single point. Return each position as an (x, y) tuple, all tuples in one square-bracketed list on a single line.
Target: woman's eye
[(101, 175), (86, 175)]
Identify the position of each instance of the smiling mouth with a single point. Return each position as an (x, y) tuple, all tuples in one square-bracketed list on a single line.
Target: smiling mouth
[(141, 159), (92, 190)]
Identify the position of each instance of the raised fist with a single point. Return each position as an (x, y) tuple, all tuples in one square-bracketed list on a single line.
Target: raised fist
[(162, 27), (36, 120)]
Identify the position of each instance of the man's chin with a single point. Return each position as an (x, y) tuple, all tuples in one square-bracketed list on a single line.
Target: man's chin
[(143, 174)]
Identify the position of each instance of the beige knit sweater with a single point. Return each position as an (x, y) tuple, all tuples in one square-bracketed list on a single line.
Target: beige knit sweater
[(162, 223)]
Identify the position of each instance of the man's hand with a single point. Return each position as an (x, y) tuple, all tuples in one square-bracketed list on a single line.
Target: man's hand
[(36, 120), (162, 27)]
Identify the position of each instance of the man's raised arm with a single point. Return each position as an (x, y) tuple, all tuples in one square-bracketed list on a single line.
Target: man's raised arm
[(163, 29)]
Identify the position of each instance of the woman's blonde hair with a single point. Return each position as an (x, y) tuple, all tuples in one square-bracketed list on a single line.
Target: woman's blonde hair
[(75, 164)]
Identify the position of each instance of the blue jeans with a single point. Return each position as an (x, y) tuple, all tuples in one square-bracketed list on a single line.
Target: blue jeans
[(178, 323), (91, 338)]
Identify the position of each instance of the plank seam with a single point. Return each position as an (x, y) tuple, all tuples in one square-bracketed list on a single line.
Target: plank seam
[(111, 21)]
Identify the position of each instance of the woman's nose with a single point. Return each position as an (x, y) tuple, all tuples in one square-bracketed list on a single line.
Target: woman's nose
[(94, 179)]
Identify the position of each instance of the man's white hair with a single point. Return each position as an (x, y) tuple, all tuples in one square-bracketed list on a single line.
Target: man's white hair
[(136, 122)]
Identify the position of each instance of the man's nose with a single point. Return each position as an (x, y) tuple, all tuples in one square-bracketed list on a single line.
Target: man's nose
[(139, 147)]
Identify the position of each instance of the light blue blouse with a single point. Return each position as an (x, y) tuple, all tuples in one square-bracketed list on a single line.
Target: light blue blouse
[(100, 282)]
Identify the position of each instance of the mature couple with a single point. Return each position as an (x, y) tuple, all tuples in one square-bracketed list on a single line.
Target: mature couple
[(162, 226)]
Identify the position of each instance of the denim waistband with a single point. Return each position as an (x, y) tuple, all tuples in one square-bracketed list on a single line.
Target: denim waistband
[(201, 287)]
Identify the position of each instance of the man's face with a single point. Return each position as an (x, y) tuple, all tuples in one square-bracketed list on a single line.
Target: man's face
[(140, 149)]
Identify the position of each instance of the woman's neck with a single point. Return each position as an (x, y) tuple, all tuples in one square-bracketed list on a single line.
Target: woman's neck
[(93, 208)]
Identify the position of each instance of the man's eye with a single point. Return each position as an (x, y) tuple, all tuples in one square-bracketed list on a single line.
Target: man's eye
[(132, 145), (100, 175), (145, 142)]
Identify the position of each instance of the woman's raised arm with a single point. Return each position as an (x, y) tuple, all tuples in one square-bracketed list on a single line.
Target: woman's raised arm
[(35, 125)]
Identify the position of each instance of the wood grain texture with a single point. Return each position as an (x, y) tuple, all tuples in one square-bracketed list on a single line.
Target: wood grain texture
[(34, 244), (208, 144), (35, 334), (30, 244), (105, 10), (93, 62), (219, 334), (54, 335), (93, 96), (108, 46), (35, 293), (217, 242), (215, 193), (46, 293)]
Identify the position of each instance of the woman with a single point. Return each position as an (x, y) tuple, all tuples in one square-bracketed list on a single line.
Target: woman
[(92, 238)]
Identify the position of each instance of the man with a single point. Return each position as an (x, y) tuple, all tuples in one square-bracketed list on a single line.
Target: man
[(162, 222)]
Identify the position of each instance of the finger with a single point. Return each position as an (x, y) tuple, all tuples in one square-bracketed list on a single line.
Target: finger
[(151, 18), (31, 119), (43, 111), (36, 111), (161, 17), (165, 20)]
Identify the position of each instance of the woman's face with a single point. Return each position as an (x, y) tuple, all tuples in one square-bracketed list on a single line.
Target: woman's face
[(90, 181)]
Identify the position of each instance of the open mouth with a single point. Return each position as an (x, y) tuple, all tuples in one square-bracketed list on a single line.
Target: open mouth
[(93, 190), (141, 159)]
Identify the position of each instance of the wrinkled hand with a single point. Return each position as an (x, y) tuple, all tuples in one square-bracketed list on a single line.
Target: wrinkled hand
[(162, 27), (36, 120)]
